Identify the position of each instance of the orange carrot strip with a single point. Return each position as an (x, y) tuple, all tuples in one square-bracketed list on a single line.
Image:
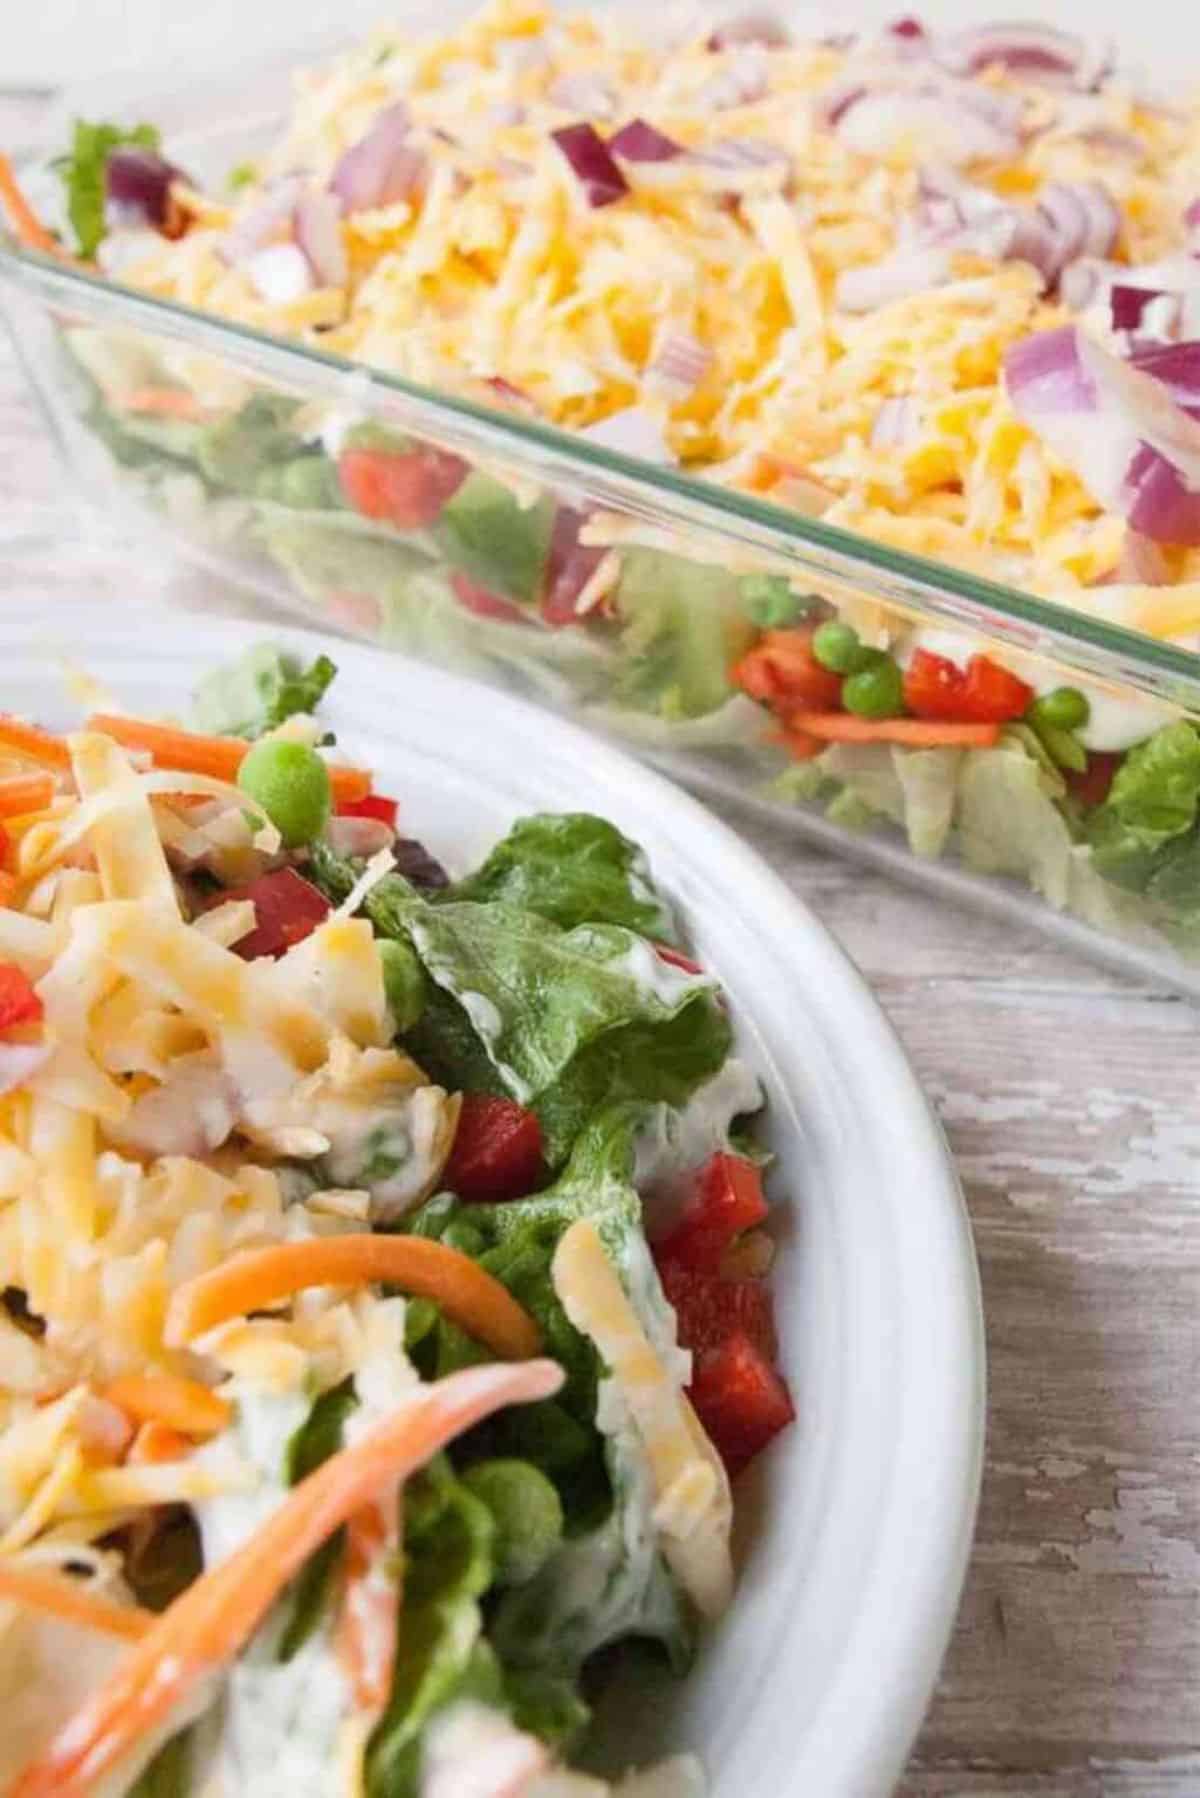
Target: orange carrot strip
[(155, 1442), (57, 1595), (183, 1405), (164, 402), (26, 224), (26, 793), (365, 1633), (917, 733), (256, 1279), (163, 1676), (30, 741), (801, 747), (218, 757), (8, 888)]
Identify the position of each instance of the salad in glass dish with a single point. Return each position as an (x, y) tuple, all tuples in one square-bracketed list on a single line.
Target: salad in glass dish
[(932, 288), (385, 1299)]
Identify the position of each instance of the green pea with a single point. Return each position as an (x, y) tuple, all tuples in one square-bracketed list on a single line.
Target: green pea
[(836, 647), (770, 602), (403, 982), (876, 690), (527, 1512), (291, 784), (1066, 708)]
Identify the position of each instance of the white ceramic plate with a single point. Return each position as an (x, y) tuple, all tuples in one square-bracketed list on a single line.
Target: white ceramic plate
[(855, 1528)]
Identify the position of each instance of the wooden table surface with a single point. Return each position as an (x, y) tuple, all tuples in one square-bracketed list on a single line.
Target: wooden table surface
[(1069, 1097)]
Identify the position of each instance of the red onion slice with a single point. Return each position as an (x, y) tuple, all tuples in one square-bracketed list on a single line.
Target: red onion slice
[(319, 234), (1145, 312), (137, 185), (382, 167), (267, 219), (1035, 51), (738, 154), (1143, 562), (680, 362), (744, 79), (589, 160), (897, 423), (1136, 451), (959, 125), (640, 142), (569, 567), (1177, 366)]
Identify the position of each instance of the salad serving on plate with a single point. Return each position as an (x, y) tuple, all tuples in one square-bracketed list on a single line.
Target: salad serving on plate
[(934, 288), (385, 1281)]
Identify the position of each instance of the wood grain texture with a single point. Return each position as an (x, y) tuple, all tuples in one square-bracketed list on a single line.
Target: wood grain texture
[(1068, 1095)]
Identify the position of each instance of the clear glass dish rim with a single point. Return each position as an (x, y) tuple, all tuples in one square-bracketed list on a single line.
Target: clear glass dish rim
[(960, 598)]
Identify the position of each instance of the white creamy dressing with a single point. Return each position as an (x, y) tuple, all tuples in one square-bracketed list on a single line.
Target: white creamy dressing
[(674, 1143), (652, 974), (1116, 720)]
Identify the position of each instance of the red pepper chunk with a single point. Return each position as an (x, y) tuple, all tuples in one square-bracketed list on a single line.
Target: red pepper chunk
[(781, 670), (406, 488), (19, 1004), (375, 805), (982, 693), (740, 1399), (473, 597), (728, 1199), (1091, 787), (709, 1309), (497, 1152), (287, 909)]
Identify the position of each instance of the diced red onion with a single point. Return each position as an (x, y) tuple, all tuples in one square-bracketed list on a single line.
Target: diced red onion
[(963, 124), (514, 397), (1144, 311), (382, 167), (681, 361), (837, 100), (19, 1062), (1083, 214), (570, 565), (640, 142), (743, 80), (896, 424), (1110, 140), (907, 30), (319, 234), (632, 432), (272, 215), (591, 163), (1177, 366), (1034, 51), (587, 94), (1133, 447), (741, 153), (1143, 562), (1081, 283), (751, 28), (1191, 216), (137, 186), (905, 272)]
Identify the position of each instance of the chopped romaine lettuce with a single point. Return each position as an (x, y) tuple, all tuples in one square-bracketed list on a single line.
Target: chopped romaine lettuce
[(82, 172), (317, 1438), (1152, 804), (684, 627), (493, 539), (259, 691), (572, 868), (1008, 822), (235, 450)]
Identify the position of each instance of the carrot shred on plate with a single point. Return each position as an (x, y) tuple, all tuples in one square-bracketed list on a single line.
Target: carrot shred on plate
[(183, 1405), (26, 224), (257, 1279), (57, 1595), (916, 733), (218, 757), (25, 793), (31, 741), (209, 1624)]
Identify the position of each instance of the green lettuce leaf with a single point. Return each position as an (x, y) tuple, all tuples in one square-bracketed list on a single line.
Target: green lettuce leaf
[(317, 1438), (1008, 822), (572, 868), (235, 450), (915, 788), (169, 1774), (82, 172), (493, 539), (1152, 804), (258, 691), (684, 625)]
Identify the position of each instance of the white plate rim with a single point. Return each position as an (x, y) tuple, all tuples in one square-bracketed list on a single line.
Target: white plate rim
[(879, 1694)]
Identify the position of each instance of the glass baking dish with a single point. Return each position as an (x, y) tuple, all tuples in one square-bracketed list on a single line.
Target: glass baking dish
[(616, 590)]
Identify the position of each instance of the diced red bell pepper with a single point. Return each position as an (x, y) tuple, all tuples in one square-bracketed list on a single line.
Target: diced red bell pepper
[(19, 1004), (1090, 787), (288, 909), (781, 669), (480, 600), (711, 1308), (497, 1151), (740, 1399), (982, 693), (677, 959), (728, 1198), (570, 565), (407, 488), (375, 805)]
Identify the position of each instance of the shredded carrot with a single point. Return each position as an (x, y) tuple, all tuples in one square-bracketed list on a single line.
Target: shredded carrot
[(365, 1632), (26, 793), (218, 757), (155, 1442), (257, 1279), (182, 1404), (165, 402), (9, 885), (917, 733), (154, 1685), (26, 224), (800, 746), (57, 1595), (35, 744)]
